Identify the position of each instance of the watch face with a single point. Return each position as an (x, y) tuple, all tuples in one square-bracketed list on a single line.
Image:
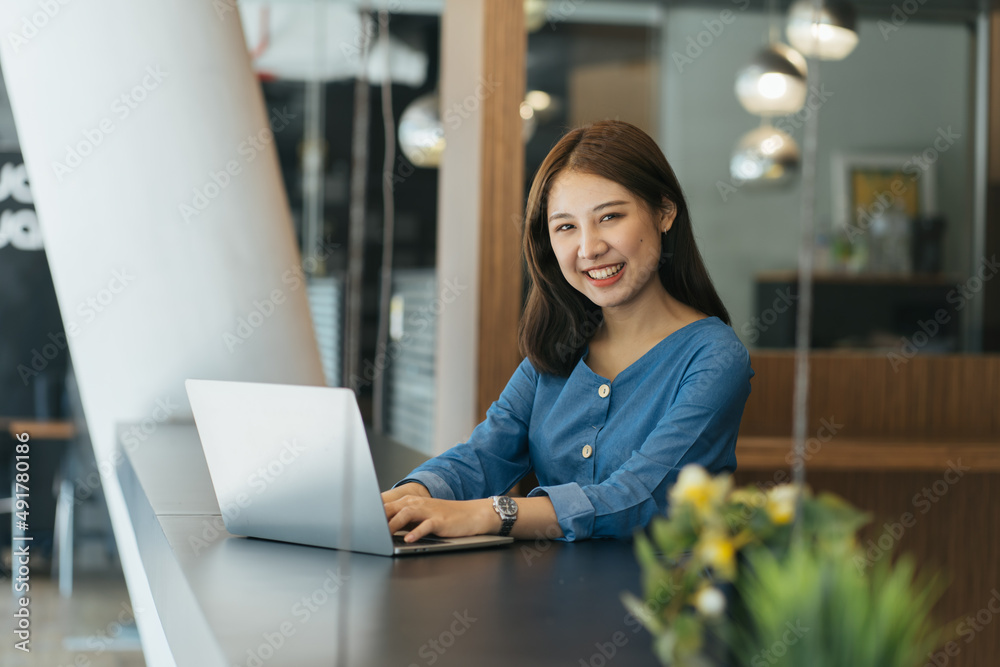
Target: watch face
[(507, 505)]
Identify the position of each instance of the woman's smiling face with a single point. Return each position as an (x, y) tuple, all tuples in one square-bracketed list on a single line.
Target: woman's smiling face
[(606, 241)]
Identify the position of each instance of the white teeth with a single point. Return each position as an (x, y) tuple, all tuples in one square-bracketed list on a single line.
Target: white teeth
[(607, 272)]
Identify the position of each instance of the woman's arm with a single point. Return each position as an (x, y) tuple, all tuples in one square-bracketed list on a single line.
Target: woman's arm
[(700, 426), (409, 489), (457, 518), (495, 456)]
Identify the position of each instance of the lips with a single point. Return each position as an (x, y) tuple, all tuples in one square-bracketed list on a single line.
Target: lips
[(605, 272), (614, 273)]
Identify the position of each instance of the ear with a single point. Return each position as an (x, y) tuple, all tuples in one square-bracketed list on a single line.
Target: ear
[(668, 211)]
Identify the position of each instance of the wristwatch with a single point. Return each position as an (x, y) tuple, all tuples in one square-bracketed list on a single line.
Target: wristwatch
[(507, 509)]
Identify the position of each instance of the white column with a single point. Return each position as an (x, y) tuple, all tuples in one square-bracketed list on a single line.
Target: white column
[(457, 348), (167, 230)]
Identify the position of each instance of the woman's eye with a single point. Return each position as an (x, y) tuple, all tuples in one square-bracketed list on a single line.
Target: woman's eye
[(609, 215), (563, 226)]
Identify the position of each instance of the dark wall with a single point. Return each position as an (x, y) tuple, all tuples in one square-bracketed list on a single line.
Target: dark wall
[(33, 350)]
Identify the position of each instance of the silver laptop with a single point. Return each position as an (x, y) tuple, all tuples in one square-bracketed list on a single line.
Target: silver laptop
[(292, 463)]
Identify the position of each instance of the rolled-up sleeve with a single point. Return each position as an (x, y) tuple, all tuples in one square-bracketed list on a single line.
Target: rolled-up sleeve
[(495, 457), (699, 426)]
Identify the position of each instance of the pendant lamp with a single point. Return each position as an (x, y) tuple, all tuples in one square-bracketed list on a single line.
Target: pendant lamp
[(774, 82), (765, 155), (828, 33)]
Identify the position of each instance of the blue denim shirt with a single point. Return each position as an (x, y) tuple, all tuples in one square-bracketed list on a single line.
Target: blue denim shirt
[(605, 453)]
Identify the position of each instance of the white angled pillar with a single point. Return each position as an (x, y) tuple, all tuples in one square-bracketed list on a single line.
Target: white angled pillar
[(167, 230)]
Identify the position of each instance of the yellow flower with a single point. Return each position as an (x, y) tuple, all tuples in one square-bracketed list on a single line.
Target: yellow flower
[(696, 488), (717, 550), (752, 497), (781, 503)]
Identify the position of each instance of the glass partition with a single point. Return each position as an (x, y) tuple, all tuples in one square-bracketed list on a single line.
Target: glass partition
[(894, 269), (894, 202), (308, 57)]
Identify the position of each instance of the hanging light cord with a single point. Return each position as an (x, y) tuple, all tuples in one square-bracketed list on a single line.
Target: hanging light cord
[(388, 223), (804, 314), (352, 328), (773, 32), (356, 231), (313, 153)]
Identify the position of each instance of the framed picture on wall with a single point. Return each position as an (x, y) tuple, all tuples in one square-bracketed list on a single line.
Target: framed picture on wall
[(866, 184)]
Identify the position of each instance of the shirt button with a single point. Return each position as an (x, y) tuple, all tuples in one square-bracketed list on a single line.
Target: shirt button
[(603, 391), (587, 451)]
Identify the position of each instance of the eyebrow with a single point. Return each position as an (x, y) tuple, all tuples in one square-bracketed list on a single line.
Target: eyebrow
[(560, 215)]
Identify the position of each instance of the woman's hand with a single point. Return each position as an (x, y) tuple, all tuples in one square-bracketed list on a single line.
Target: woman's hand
[(410, 489), (446, 518)]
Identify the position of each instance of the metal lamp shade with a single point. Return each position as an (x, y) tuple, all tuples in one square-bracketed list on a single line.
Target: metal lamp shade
[(765, 155), (774, 83), (421, 134), (829, 33)]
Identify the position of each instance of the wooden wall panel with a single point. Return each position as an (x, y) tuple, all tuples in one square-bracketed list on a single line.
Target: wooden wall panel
[(955, 397), (957, 533), (502, 195), (991, 290), (900, 429)]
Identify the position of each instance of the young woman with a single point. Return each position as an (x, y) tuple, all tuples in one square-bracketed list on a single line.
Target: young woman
[(631, 367)]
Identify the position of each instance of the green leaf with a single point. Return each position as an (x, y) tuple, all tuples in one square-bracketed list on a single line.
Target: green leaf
[(642, 613)]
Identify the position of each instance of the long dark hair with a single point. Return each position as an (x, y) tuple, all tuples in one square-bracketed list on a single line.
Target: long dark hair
[(558, 320)]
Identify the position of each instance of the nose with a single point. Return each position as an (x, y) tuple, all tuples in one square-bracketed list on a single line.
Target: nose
[(591, 244)]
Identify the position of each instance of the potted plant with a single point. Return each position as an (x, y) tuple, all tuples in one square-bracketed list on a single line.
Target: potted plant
[(759, 578)]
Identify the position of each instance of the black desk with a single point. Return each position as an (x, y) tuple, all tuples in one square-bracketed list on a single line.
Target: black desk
[(224, 600)]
